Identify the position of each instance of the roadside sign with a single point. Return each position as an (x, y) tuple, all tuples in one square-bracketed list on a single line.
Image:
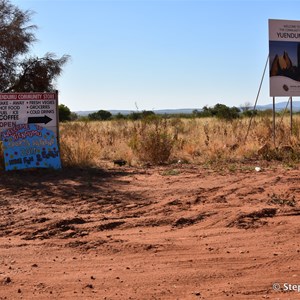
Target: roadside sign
[(29, 108), (30, 146)]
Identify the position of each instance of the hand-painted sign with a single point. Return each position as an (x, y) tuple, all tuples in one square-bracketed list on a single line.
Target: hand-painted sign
[(28, 108), (284, 58), (30, 146)]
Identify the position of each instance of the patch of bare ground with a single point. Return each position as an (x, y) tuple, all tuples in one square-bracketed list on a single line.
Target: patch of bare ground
[(173, 232)]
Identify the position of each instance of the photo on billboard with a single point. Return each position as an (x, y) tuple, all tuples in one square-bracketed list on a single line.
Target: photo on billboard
[(285, 59)]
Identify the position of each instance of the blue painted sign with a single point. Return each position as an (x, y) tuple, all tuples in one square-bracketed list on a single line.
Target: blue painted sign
[(30, 146)]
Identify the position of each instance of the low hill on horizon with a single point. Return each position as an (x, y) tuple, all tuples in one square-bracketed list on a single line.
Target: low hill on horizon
[(279, 106), (158, 111)]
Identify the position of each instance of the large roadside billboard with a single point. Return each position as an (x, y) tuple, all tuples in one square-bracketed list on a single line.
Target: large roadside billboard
[(284, 58)]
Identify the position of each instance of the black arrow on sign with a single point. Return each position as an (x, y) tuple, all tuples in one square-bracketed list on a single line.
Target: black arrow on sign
[(45, 119)]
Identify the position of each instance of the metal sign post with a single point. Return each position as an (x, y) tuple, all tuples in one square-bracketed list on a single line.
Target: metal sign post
[(57, 120), (291, 115), (274, 123)]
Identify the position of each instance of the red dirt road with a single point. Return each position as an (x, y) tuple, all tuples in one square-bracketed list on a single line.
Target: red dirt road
[(175, 232)]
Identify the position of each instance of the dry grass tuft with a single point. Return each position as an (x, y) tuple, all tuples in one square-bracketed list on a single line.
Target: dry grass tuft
[(151, 142)]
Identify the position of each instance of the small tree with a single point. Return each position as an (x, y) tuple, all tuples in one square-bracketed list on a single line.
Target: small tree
[(74, 116), (147, 114), (249, 113), (101, 115), (141, 115), (206, 112), (246, 106), (119, 116), (133, 116), (222, 111), (64, 113)]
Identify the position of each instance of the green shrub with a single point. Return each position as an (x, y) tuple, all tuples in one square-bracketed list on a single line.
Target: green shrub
[(64, 113), (101, 115)]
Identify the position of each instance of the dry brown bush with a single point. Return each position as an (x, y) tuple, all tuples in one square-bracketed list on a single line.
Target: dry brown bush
[(152, 142)]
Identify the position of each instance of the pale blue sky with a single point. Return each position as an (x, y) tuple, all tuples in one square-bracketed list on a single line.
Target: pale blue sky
[(158, 54)]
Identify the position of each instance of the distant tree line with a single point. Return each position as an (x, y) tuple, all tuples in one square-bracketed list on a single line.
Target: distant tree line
[(219, 111)]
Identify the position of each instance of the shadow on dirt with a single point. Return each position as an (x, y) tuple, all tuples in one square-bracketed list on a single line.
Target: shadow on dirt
[(69, 203), (67, 180)]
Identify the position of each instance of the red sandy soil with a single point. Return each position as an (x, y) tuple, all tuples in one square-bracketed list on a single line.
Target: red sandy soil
[(173, 232)]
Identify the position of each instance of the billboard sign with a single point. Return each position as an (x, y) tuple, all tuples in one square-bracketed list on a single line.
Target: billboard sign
[(284, 58), (29, 108)]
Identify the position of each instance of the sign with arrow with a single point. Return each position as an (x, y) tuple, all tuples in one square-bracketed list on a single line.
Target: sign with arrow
[(29, 108), (39, 120)]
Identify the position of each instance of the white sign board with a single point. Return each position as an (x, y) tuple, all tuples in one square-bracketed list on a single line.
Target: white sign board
[(284, 58), (28, 108)]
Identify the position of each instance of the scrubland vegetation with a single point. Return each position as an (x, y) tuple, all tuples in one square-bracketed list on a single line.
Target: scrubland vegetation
[(159, 140)]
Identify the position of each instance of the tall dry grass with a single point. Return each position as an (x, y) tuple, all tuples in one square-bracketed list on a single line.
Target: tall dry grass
[(191, 140)]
